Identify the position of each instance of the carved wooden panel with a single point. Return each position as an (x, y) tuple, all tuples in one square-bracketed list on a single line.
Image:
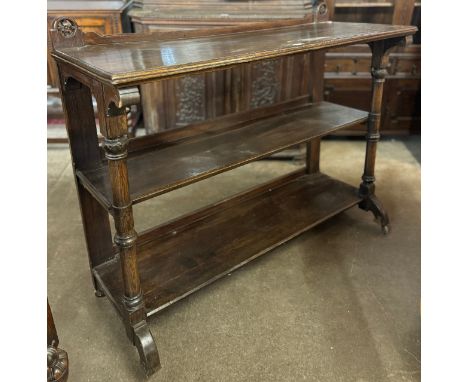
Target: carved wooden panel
[(176, 103), (265, 85), (190, 106)]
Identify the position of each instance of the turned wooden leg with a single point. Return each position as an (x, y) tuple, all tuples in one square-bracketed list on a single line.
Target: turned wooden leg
[(125, 238), (367, 187)]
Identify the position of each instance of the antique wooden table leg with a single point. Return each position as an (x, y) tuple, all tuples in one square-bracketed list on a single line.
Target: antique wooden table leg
[(367, 187), (57, 359), (115, 146)]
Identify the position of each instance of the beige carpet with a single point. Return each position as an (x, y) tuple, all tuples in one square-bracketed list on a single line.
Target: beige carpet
[(339, 303)]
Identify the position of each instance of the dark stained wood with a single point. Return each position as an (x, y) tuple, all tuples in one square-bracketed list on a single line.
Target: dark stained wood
[(367, 187), (165, 264), (176, 164), (83, 140), (315, 84), (52, 338), (179, 102), (57, 359), (115, 147), (126, 63), (313, 156), (347, 78), (190, 100), (217, 242), (106, 17), (217, 124)]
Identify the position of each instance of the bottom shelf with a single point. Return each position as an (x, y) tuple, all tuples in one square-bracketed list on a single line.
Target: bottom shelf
[(182, 256)]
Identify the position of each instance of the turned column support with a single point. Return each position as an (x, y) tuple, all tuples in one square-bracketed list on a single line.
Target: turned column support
[(125, 236), (373, 128), (378, 71), (115, 146), (113, 114)]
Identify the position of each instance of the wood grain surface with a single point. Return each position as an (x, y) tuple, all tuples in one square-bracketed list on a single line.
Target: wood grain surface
[(167, 167), (195, 250), (124, 62)]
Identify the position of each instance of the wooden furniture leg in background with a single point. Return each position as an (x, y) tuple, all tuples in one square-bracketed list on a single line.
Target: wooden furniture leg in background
[(115, 146), (367, 187), (57, 359), (317, 63)]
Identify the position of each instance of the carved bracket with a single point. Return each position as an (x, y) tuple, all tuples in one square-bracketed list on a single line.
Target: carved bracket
[(70, 83), (380, 48), (119, 100)]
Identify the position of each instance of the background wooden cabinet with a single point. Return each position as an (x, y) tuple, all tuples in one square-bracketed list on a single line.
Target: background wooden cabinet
[(105, 17), (175, 103), (178, 102), (347, 78)]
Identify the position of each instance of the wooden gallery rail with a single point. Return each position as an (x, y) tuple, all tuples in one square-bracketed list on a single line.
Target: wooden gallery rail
[(142, 274)]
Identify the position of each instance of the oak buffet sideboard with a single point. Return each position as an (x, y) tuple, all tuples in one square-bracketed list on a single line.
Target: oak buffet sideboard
[(143, 273)]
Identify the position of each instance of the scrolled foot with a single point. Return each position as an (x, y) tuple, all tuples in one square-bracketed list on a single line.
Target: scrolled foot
[(99, 293), (371, 203), (57, 365), (147, 350)]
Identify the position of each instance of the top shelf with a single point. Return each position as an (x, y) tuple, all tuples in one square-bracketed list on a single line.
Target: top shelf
[(127, 60)]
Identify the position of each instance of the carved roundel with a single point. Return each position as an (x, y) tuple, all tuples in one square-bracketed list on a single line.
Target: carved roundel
[(67, 27), (322, 9)]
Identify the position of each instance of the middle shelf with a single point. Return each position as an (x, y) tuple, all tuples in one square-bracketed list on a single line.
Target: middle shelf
[(186, 161)]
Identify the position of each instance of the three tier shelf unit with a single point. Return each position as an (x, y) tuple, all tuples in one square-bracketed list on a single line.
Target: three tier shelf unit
[(143, 273)]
